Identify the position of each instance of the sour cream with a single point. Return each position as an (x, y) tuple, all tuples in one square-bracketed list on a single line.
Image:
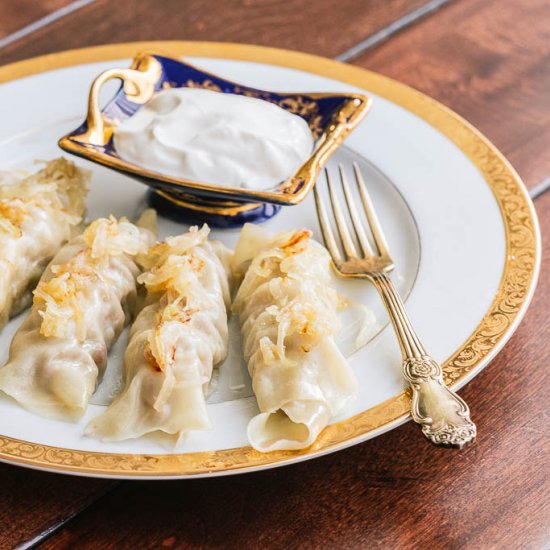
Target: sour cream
[(218, 138)]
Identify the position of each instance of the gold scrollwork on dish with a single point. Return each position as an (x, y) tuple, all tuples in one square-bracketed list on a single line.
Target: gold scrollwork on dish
[(302, 106), (522, 257), (305, 108), (206, 84)]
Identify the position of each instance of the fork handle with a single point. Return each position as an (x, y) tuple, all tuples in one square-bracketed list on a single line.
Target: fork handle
[(443, 415)]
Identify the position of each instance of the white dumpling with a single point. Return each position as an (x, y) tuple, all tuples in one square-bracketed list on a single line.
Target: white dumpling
[(37, 216), (288, 312), (80, 306), (176, 340)]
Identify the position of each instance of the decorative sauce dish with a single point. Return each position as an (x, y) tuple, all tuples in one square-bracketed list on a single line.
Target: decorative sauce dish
[(330, 117)]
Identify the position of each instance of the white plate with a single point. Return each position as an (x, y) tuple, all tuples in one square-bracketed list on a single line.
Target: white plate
[(460, 226)]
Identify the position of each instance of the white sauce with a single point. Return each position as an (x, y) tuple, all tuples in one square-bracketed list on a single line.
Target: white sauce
[(218, 138)]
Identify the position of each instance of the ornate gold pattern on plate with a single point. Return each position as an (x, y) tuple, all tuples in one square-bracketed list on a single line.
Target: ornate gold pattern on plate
[(514, 293)]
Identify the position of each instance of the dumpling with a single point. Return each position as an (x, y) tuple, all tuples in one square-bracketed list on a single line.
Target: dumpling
[(288, 313), (79, 308), (175, 341), (37, 216)]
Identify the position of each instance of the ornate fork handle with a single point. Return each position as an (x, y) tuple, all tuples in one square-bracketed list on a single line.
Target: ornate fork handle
[(443, 415)]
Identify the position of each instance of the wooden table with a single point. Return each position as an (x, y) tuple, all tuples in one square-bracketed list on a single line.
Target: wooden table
[(490, 61)]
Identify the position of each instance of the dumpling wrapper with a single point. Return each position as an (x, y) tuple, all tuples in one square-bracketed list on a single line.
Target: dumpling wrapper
[(38, 214), (80, 306), (288, 311), (178, 337)]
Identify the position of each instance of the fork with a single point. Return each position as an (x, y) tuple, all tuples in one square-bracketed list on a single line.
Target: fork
[(443, 415)]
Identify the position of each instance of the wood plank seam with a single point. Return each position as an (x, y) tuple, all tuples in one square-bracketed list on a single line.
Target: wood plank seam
[(540, 189), (376, 38), (50, 530), (44, 21)]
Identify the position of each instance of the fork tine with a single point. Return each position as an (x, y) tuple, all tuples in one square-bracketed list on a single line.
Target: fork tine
[(326, 230), (355, 221), (375, 226), (341, 224)]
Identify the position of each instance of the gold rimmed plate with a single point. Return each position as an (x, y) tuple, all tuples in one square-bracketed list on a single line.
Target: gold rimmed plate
[(460, 225)]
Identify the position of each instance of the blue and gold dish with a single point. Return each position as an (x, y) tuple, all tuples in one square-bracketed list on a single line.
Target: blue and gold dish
[(330, 116)]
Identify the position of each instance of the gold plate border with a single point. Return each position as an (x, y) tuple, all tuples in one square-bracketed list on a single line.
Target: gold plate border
[(515, 290)]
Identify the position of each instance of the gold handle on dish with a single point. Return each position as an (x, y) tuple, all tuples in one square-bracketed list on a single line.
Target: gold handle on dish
[(443, 415), (139, 85)]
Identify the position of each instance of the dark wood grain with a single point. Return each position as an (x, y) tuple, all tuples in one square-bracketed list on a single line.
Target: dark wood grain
[(392, 492), (33, 502), (489, 61), (15, 15), (326, 27)]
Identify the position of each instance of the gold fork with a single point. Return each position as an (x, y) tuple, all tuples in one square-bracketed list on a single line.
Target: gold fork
[(443, 415)]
